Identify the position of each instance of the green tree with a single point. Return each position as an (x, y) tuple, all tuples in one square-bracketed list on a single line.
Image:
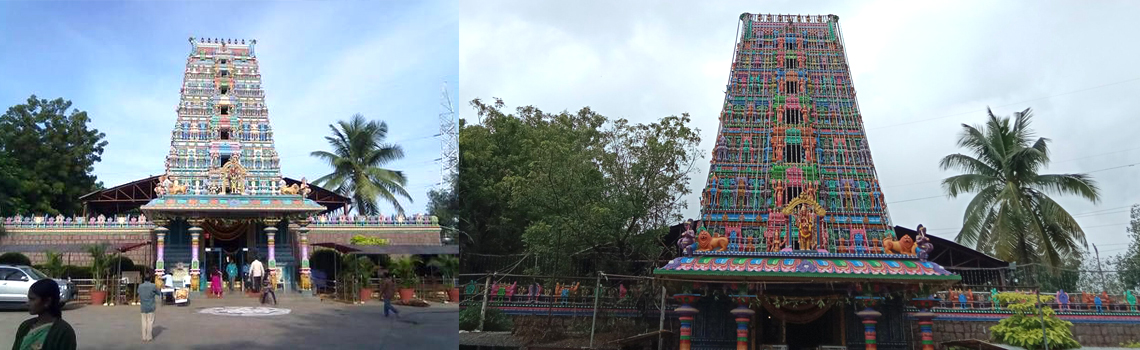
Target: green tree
[(443, 204), (47, 156), (1012, 215), (357, 157), (571, 187), (1128, 263)]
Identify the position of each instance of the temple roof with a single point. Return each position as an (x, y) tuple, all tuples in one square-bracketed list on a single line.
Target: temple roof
[(812, 269), (259, 205), (133, 195)]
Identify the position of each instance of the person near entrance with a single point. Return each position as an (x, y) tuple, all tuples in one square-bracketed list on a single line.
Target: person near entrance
[(270, 289), (388, 290), (231, 272), (147, 292), (257, 273)]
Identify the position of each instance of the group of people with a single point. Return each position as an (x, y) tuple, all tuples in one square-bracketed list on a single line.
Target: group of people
[(48, 330)]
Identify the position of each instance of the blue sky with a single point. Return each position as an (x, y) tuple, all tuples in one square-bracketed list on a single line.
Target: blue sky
[(122, 62)]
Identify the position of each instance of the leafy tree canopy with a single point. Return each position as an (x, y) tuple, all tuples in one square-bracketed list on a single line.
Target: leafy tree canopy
[(47, 156), (1127, 265), (359, 152), (571, 185), (1012, 215)]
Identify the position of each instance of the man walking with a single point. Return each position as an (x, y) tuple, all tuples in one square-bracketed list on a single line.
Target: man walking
[(147, 291), (231, 272), (257, 272), (388, 289)]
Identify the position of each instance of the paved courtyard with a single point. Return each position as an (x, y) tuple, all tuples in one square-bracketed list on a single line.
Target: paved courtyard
[(311, 323)]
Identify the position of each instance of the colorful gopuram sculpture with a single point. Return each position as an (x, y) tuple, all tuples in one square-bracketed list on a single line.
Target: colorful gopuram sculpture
[(792, 194)]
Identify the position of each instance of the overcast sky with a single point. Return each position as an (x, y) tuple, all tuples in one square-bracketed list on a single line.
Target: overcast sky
[(920, 69), (123, 63)]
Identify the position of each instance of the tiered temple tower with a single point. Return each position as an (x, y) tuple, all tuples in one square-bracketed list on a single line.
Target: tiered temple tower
[(223, 124), (791, 170)]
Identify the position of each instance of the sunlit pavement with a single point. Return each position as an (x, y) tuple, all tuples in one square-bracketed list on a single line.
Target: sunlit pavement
[(311, 323)]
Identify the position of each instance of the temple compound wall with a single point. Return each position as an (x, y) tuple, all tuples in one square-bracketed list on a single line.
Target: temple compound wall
[(1094, 334), (34, 235)]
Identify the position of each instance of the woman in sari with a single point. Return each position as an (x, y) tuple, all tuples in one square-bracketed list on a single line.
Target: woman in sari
[(216, 282), (48, 330)]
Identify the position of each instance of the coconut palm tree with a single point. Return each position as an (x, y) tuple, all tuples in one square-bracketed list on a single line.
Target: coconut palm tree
[(447, 265), (1012, 215), (357, 156)]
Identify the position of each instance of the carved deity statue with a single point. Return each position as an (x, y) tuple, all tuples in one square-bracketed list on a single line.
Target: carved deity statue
[(686, 244), (924, 245)]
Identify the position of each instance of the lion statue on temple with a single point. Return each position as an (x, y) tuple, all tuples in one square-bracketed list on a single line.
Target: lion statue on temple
[(707, 242), (903, 246), (176, 188)]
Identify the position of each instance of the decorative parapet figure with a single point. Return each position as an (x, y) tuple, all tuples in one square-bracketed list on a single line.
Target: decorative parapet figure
[(686, 244), (995, 304), (1063, 300), (621, 292), (511, 290), (970, 297), (924, 245), (470, 289), (1087, 299), (952, 298), (1131, 299), (163, 184), (1099, 303)]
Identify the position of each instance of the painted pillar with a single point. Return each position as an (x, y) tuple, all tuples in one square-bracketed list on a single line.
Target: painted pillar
[(743, 315), (869, 317), (270, 234), (303, 232), (195, 231), (686, 313), (926, 325), (160, 231)]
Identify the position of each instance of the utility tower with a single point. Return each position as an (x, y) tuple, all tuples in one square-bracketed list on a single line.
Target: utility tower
[(449, 139)]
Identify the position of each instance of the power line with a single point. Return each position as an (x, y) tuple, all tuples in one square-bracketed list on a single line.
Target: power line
[(1087, 172), (1007, 105), (1056, 162)]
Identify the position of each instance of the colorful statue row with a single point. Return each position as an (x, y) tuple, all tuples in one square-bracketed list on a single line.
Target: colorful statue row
[(966, 299), (561, 292)]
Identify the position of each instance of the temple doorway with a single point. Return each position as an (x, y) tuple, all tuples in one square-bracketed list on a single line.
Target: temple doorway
[(801, 327), (223, 240)]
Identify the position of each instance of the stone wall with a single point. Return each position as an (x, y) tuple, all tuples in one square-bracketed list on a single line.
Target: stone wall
[(46, 237), (1088, 334)]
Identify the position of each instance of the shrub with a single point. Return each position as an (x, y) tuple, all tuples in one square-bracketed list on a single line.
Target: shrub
[(367, 240), (1131, 345), (54, 264), (495, 321), (1023, 328), (14, 258)]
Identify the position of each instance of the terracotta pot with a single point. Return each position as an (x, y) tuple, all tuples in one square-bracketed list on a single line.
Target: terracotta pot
[(453, 294), (406, 294), (365, 294), (98, 297)]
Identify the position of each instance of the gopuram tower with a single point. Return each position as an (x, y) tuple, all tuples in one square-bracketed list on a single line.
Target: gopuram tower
[(791, 170), (223, 125)]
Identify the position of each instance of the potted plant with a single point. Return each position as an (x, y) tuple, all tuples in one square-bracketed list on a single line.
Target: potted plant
[(447, 265), (405, 270), (54, 265), (99, 261), (356, 270)]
